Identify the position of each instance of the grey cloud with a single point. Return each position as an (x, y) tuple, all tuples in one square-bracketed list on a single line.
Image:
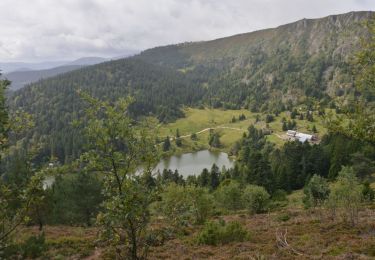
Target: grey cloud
[(34, 30)]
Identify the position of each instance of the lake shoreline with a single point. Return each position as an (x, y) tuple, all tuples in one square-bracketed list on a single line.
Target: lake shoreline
[(193, 163)]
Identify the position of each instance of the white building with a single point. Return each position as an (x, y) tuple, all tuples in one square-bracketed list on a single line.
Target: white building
[(294, 135), (304, 137)]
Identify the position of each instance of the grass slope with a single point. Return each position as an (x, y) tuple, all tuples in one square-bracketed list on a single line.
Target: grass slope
[(200, 120)]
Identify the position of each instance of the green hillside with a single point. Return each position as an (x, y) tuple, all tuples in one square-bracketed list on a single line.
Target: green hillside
[(308, 58), (271, 70)]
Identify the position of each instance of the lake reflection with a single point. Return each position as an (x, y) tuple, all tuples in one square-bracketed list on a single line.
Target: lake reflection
[(194, 163)]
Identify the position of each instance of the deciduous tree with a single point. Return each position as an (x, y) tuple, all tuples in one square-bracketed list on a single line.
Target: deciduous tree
[(121, 151)]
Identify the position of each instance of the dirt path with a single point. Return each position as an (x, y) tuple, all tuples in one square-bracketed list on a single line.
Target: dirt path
[(209, 128), (218, 127), (279, 136)]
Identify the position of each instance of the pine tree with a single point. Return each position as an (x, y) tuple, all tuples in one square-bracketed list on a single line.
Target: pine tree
[(204, 178), (193, 136), (214, 177), (293, 114), (284, 127), (178, 142), (166, 144)]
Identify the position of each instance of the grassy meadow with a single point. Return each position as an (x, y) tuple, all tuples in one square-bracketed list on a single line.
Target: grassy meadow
[(199, 120)]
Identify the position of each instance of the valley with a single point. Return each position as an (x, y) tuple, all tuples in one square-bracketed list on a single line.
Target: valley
[(259, 145), (268, 71)]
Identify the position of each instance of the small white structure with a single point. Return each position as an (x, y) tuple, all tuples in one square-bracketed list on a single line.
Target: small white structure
[(302, 137)]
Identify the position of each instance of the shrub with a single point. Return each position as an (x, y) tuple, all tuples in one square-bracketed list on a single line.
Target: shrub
[(178, 142), (269, 118), (234, 232), (345, 196), (283, 217), (279, 195), (34, 246), (278, 200), (219, 233), (201, 203), (185, 205), (316, 192), (255, 198), (229, 195), (210, 235), (367, 192), (157, 237), (241, 117), (174, 206)]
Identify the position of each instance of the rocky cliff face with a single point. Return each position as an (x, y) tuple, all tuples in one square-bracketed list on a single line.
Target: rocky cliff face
[(307, 58)]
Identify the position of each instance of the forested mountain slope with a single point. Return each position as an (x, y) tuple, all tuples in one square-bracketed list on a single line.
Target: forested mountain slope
[(265, 70), (55, 103), (307, 58)]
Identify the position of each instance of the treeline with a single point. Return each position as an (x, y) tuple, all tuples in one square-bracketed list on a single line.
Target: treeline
[(286, 168), (291, 166)]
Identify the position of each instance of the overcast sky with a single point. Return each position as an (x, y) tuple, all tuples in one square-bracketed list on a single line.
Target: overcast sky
[(39, 30)]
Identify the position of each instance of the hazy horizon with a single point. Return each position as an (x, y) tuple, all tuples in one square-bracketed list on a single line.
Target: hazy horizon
[(38, 31)]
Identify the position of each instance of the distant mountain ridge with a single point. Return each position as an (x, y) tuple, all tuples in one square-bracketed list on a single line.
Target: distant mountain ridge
[(87, 61), (23, 76), (316, 30), (8, 67), (270, 70)]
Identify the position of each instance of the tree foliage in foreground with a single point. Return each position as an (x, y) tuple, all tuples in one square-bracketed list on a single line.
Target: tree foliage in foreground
[(16, 200), (121, 151)]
